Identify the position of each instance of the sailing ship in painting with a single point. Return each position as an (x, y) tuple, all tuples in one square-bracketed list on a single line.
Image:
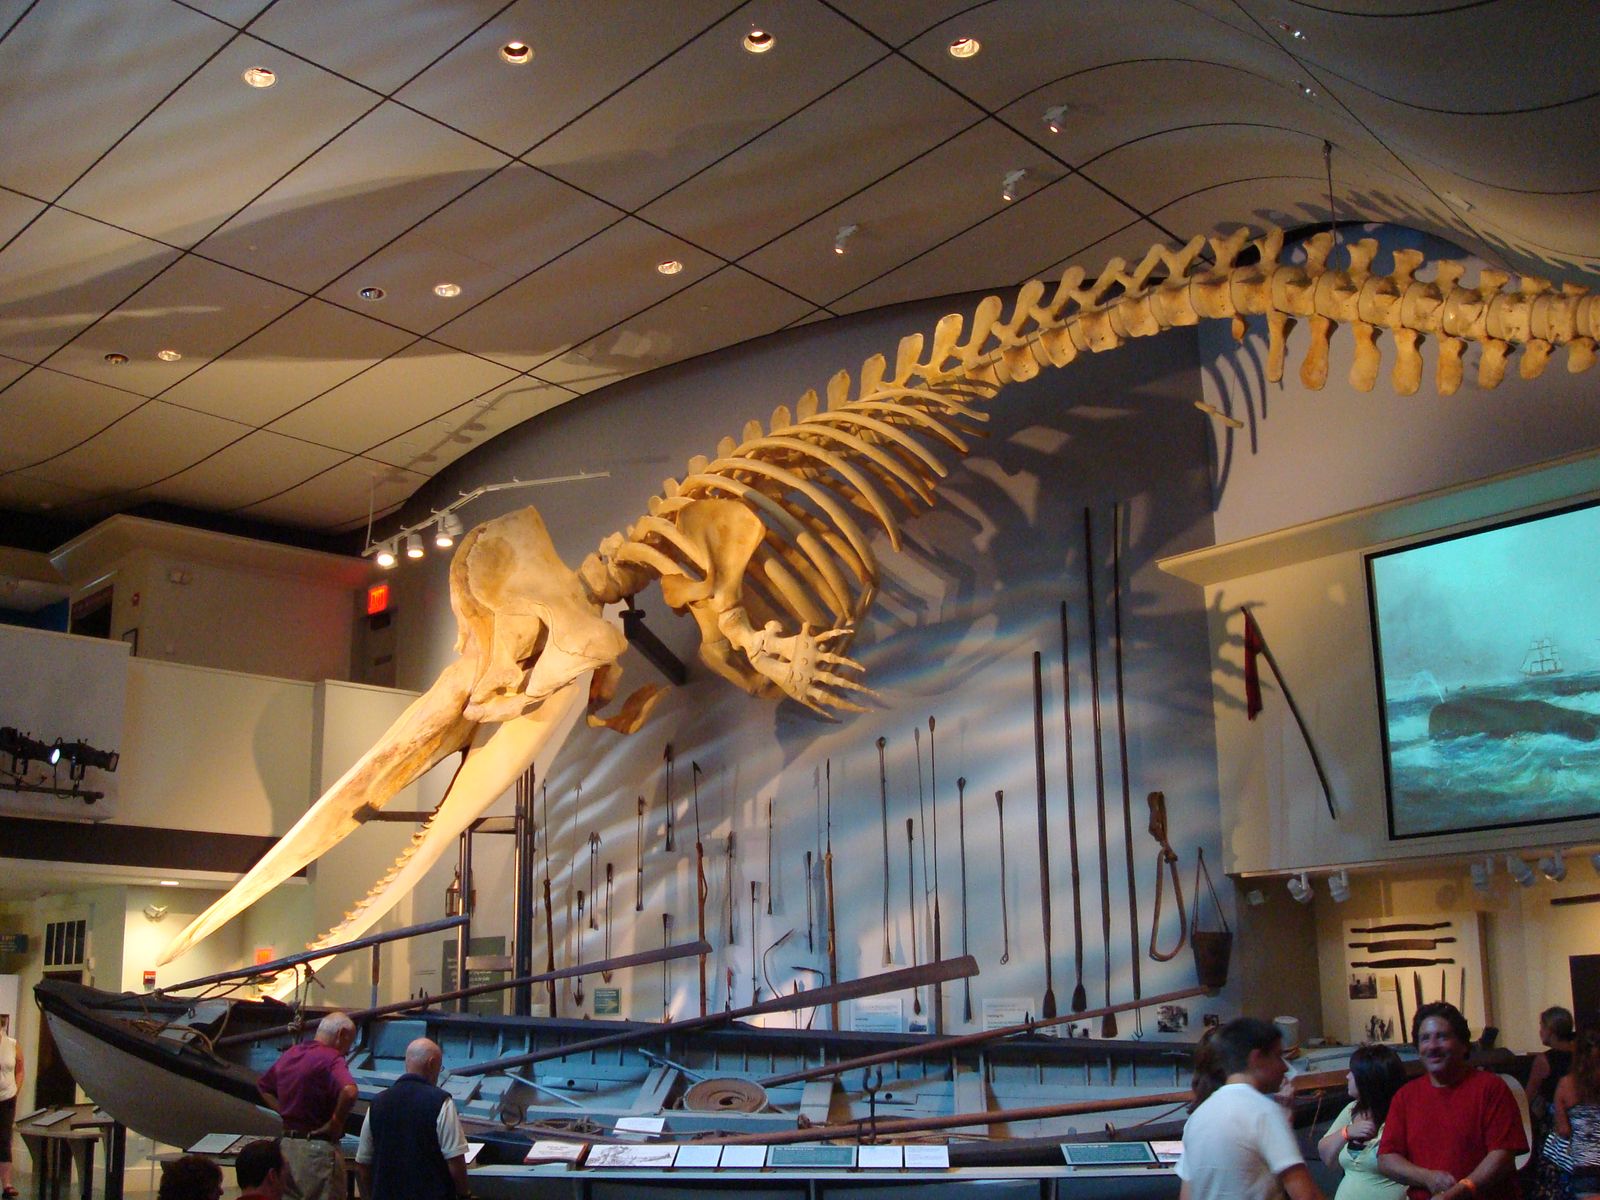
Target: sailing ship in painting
[(1541, 659), (1519, 751)]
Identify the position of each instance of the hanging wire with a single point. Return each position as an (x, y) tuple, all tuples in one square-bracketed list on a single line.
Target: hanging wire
[(1327, 162)]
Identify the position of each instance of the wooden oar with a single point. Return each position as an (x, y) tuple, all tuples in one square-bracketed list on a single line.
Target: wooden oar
[(871, 985), (940, 1046), (293, 960), (605, 966)]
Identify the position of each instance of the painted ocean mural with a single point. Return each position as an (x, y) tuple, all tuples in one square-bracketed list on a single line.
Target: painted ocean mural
[(1489, 659)]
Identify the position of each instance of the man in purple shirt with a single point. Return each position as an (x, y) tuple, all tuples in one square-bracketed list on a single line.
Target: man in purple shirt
[(311, 1089)]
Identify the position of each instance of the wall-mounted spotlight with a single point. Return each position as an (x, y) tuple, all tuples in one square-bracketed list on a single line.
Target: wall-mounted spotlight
[(1519, 870), (1011, 185), (1055, 118), (413, 545), (1339, 886), (1553, 867), (841, 239), (1481, 873), (1300, 889)]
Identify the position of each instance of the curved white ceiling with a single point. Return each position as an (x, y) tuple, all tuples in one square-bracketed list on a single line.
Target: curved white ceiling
[(149, 200)]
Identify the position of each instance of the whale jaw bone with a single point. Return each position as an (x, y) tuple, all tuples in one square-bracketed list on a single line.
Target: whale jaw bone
[(429, 731), (493, 764)]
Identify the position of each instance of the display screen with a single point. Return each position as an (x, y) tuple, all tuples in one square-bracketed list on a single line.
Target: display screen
[(1488, 657)]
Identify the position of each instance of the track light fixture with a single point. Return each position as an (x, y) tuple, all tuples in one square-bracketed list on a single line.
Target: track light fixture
[(1300, 889), (449, 530), (1339, 885), (842, 238), (1481, 872), (1055, 118), (1011, 185), (446, 522), (1519, 870), (1553, 867)]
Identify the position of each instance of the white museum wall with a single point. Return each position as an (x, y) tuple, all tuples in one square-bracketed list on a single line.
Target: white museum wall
[(231, 617), (973, 593), (213, 750)]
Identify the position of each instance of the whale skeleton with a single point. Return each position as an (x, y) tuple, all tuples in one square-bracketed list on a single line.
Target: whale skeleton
[(763, 544)]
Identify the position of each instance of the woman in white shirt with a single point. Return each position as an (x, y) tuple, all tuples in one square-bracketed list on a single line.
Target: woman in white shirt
[(10, 1084)]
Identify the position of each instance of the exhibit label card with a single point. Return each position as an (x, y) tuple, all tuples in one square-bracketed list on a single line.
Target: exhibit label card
[(927, 1158), (743, 1158), (1006, 1010), (637, 1125), (698, 1155), (634, 1157), (879, 1158), (877, 1014), (550, 1150), (812, 1158)]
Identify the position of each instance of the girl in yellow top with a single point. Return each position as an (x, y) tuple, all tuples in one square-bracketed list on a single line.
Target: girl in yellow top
[(1351, 1142)]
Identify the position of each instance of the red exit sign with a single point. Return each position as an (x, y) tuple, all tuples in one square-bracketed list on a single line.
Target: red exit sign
[(377, 599)]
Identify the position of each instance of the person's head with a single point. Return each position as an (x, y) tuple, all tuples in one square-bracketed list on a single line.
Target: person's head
[(1586, 1066), (1375, 1075), (1208, 1072), (423, 1057), (260, 1168), (1443, 1039), (1248, 1046), (1555, 1026), (336, 1030), (192, 1177)]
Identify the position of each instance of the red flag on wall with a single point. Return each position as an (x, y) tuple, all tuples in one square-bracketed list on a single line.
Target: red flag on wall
[(1254, 645)]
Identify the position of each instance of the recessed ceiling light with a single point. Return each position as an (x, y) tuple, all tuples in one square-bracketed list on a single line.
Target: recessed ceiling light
[(168, 355), (517, 53), (447, 290), (759, 41), (1306, 89), (371, 293), (671, 267), (1298, 35), (166, 883), (115, 359), (260, 77), (965, 47), (1055, 118)]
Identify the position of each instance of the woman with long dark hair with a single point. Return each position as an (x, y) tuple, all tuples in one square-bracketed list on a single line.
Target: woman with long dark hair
[(1570, 1164), (1351, 1142)]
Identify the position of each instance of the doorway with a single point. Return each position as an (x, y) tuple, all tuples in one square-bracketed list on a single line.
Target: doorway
[(53, 1084)]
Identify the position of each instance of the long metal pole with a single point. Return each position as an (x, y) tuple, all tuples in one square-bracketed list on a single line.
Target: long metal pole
[(1122, 751), (1048, 1007)]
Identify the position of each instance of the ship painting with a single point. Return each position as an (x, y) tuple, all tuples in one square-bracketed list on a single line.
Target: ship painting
[(1483, 755)]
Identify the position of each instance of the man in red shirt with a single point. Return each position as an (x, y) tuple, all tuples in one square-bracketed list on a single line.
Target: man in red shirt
[(1454, 1132), (311, 1089)]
